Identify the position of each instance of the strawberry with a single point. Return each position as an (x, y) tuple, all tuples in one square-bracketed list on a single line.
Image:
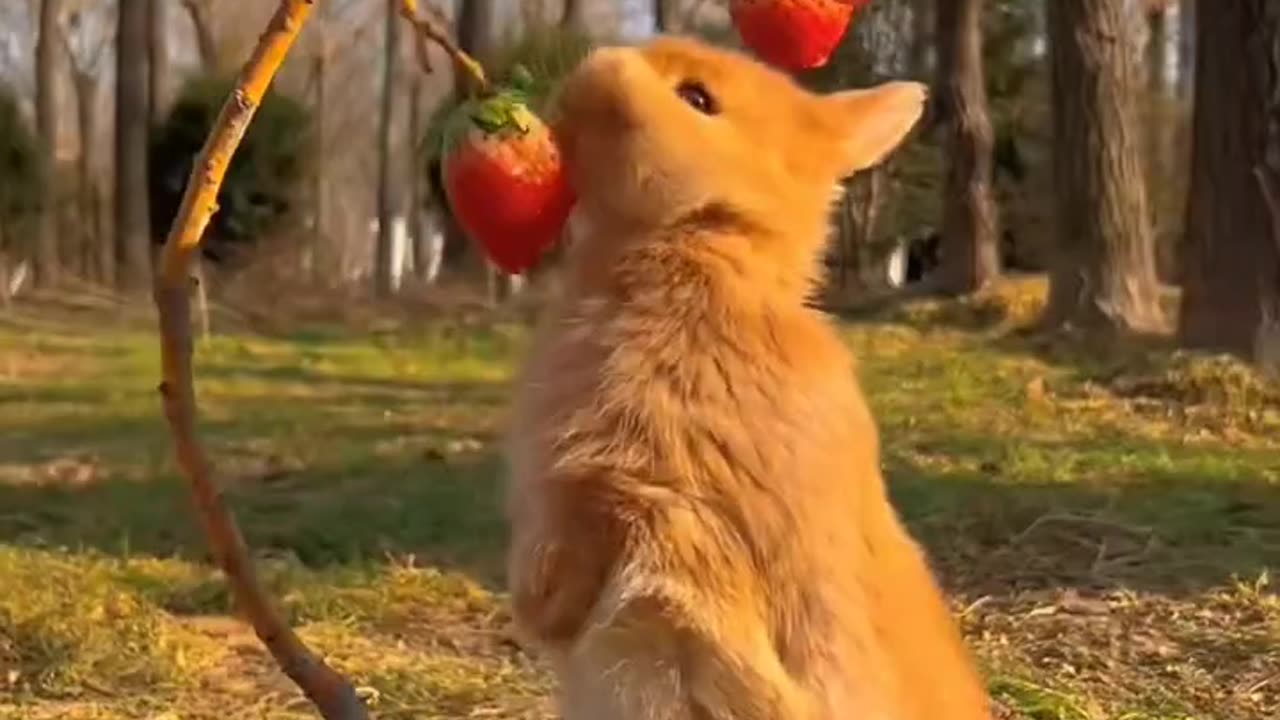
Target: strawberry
[(793, 34), (504, 179)]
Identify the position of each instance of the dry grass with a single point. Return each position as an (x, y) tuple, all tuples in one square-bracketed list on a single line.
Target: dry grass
[(1108, 516)]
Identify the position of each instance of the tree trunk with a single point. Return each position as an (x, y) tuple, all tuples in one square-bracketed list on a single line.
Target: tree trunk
[(319, 257), (382, 281), (922, 40), (1162, 128), (132, 236), (86, 87), (475, 36), (1103, 274), (4, 269), (1186, 47), (198, 11), (661, 16), (416, 191), (158, 64), (1157, 46), (45, 256), (1231, 295), (970, 247), (571, 16)]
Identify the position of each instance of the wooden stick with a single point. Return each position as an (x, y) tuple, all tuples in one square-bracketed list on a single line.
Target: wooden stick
[(429, 30), (331, 693)]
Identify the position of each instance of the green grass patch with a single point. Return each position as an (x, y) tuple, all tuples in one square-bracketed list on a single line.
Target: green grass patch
[(1106, 516)]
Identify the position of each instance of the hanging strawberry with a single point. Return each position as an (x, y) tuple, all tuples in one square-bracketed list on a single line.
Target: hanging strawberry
[(504, 179), (793, 34)]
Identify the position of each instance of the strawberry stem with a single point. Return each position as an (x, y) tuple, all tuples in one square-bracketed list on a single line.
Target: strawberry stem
[(429, 29)]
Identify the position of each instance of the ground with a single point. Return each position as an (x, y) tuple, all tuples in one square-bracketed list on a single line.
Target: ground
[(1106, 519)]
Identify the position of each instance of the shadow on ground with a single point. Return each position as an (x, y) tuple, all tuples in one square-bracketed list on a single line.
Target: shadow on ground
[(990, 528)]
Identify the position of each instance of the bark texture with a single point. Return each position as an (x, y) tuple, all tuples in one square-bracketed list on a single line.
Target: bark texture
[(1231, 295), (1186, 46), (158, 65), (132, 234), (386, 192), (970, 255), (1103, 274), (96, 257), (199, 11), (45, 253), (571, 14)]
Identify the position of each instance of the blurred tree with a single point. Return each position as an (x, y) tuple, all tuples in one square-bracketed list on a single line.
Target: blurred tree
[(22, 179), (1164, 122), (1104, 273), (970, 255), (85, 44), (46, 246), (572, 15), (132, 234), (661, 16), (387, 196), (922, 37), (1017, 80), (1231, 297), (1157, 12), (159, 65), (200, 13), (262, 183), (1186, 46)]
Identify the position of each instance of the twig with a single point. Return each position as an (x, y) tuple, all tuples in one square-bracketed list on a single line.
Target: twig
[(429, 30), (1073, 519), (328, 690)]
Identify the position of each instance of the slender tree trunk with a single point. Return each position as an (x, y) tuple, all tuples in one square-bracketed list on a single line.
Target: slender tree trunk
[(475, 35), (1157, 46), (1103, 274), (661, 16), (86, 87), (417, 194), (571, 16), (970, 242), (922, 37), (382, 282), (1186, 47), (1162, 128), (158, 64), (319, 169), (132, 236), (4, 269), (198, 11), (1231, 295), (45, 256)]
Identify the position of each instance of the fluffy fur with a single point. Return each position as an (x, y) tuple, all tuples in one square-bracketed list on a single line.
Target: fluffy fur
[(700, 530)]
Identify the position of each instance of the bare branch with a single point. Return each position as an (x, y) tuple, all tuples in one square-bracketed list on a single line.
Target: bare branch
[(331, 693), (429, 28)]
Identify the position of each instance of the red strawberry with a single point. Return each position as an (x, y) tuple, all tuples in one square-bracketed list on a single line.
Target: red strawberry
[(793, 34), (504, 180)]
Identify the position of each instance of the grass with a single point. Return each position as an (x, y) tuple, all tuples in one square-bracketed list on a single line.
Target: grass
[(1107, 516)]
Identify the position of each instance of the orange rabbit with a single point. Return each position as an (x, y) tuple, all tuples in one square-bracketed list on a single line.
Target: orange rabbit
[(700, 529)]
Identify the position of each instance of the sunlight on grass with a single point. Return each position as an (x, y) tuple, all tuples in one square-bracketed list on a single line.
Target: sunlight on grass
[(1107, 516), (68, 625)]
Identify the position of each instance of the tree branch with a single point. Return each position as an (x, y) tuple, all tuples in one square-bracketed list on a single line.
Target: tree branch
[(429, 30), (331, 693)]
